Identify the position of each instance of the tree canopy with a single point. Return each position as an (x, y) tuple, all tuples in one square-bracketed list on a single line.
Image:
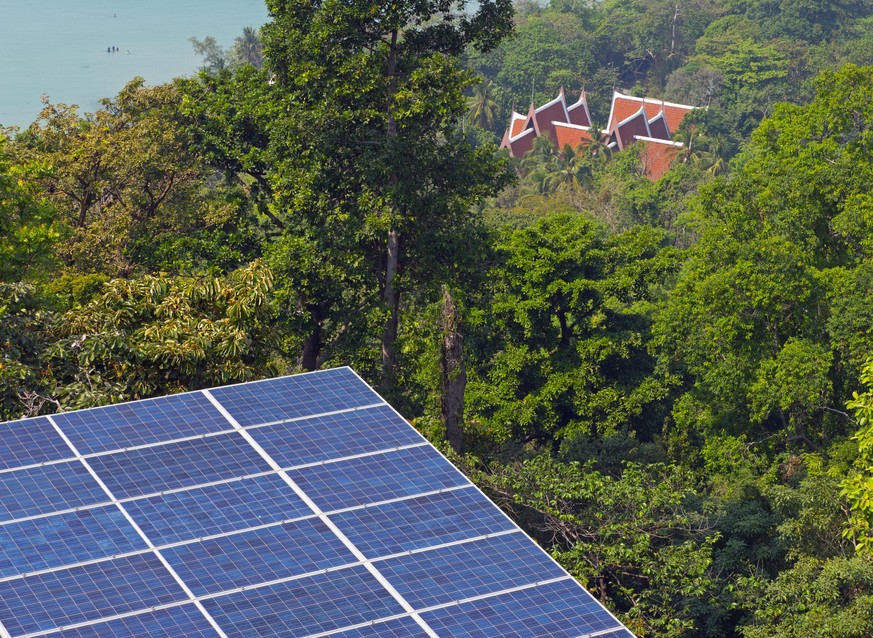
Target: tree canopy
[(667, 383)]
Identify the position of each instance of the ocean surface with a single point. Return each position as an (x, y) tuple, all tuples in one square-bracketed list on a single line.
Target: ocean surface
[(58, 47)]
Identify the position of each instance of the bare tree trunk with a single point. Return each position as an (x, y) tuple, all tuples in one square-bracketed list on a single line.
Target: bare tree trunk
[(392, 301), (392, 297), (454, 372), (312, 345)]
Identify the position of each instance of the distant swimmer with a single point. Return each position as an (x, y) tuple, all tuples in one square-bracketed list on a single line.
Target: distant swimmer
[(108, 49), (128, 52)]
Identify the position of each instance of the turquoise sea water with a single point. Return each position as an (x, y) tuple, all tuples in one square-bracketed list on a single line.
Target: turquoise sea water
[(58, 47)]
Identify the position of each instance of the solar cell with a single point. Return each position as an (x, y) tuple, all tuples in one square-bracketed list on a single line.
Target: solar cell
[(306, 606), (215, 509), (129, 424), (456, 572), (29, 442), (421, 522), (55, 599), (398, 628), (185, 621), (555, 610), (152, 470), (376, 478), (257, 556), (64, 539), (291, 397), (335, 436), (48, 488), (378, 535)]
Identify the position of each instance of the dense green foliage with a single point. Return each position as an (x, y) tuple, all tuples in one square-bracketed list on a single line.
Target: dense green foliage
[(667, 383)]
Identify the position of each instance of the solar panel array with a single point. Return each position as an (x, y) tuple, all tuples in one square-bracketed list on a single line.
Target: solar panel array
[(299, 506)]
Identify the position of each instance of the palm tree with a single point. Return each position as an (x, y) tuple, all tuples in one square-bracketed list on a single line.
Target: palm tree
[(541, 154), (596, 147), (247, 48), (482, 105), (569, 170)]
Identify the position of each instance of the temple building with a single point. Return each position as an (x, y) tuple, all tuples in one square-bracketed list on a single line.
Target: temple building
[(631, 120)]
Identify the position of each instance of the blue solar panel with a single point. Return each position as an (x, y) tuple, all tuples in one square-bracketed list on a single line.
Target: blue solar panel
[(45, 489), (166, 467), (128, 424), (335, 436), (216, 509), (292, 397), (64, 539), (203, 513), (185, 621), (420, 522), (555, 610), (377, 478), (55, 599), (306, 606), (398, 628), (29, 442), (258, 556), (426, 579)]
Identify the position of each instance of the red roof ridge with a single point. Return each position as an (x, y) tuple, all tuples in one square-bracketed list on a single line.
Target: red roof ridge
[(515, 117), (532, 118), (560, 98), (631, 118), (634, 115), (615, 95), (582, 101), (660, 116), (526, 131), (662, 103)]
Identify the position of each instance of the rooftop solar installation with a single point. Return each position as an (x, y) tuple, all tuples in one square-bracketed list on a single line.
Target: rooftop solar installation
[(301, 506)]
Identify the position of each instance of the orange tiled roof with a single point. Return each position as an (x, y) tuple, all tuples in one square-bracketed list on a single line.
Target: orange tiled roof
[(657, 156), (518, 138), (630, 119), (517, 124), (623, 106), (571, 134)]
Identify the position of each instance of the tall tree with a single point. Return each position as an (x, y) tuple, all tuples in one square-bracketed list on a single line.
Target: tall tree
[(124, 181), (858, 488), (371, 160), (454, 372), (160, 334), (561, 348), (633, 538), (769, 314), (214, 56), (482, 105), (247, 48), (27, 228)]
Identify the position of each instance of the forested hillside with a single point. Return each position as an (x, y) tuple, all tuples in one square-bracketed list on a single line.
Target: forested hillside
[(667, 383)]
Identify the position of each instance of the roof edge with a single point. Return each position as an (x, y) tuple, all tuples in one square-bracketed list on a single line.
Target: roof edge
[(655, 140)]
